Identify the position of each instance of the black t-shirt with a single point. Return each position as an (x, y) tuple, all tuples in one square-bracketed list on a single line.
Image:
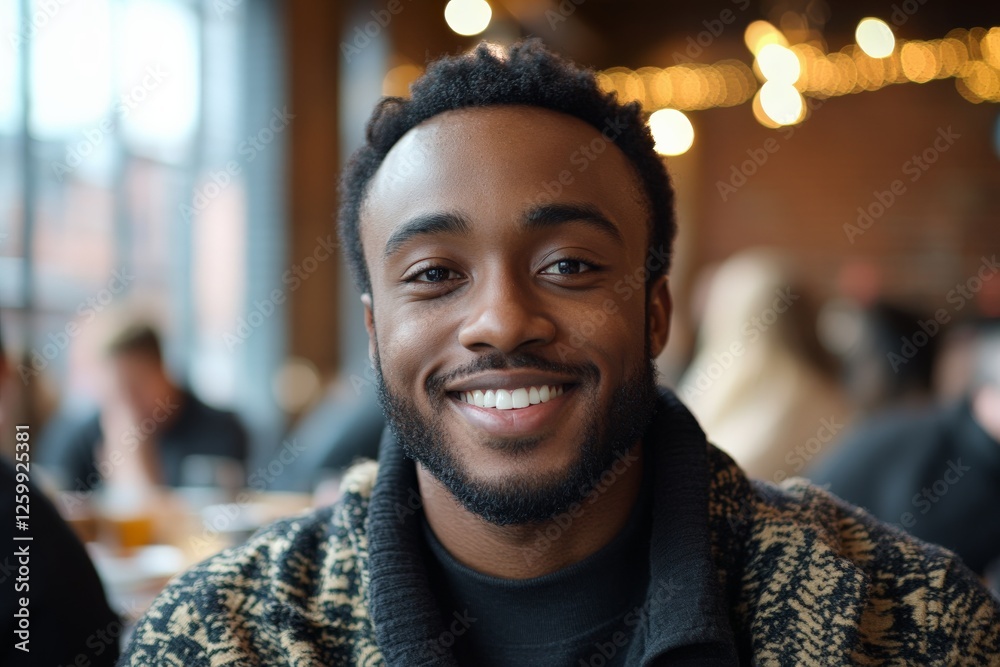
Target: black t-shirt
[(585, 612)]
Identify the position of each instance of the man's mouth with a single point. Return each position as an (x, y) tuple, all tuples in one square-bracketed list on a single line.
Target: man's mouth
[(510, 399)]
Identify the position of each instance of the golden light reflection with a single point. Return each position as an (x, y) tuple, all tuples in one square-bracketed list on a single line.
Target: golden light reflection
[(758, 113), (782, 103), (990, 47), (779, 64), (468, 17), (761, 33), (686, 87), (875, 37), (971, 57), (672, 131), (918, 61)]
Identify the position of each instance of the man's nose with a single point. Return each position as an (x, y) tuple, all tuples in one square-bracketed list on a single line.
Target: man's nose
[(505, 315)]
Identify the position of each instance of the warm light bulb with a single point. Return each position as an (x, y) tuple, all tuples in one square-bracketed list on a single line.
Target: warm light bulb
[(875, 38), (779, 64), (672, 131), (781, 103), (761, 33), (468, 17)]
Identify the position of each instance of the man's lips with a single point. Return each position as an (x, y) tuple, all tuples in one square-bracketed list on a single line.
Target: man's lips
[(517, 421)]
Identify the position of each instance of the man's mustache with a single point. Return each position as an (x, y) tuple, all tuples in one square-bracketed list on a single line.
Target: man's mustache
[(498, 361)]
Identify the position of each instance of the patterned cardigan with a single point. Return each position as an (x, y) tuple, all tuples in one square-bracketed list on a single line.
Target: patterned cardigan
[(809, 580)]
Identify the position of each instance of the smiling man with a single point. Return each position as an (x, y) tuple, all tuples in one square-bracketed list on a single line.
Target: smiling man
[(538, 500)]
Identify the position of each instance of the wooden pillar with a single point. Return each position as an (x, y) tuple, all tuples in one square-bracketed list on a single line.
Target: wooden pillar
[(313, 58)]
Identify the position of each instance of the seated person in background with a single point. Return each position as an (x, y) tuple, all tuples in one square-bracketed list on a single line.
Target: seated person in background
[(146, 426), (934, 472), (761, 384), (875, 373), (68, 618), (538, 499)]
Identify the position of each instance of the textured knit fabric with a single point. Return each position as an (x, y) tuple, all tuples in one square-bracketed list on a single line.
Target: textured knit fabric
[(804, 578)]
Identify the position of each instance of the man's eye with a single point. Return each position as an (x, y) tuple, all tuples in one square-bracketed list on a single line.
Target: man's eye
[(567, 267), (435, 274)]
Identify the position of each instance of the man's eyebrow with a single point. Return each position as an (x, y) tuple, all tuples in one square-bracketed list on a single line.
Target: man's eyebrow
[(431, 223), (548, 215)]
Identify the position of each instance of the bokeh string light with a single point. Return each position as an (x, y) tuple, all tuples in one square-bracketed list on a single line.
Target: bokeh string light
[(468, 17), (783, 74)]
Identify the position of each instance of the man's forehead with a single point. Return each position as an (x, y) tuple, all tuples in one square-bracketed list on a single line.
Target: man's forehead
[(527, 152)]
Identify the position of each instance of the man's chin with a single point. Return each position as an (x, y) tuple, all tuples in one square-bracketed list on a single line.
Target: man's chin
[(516, 498), (510, 482)]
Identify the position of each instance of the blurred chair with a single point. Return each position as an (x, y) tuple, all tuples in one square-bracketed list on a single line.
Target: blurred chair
[(760, 384)]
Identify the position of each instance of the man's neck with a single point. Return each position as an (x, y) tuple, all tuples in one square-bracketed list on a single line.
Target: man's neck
[(531, 550)]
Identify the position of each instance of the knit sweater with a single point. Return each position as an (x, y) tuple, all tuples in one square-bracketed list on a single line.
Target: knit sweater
[(805, 579)]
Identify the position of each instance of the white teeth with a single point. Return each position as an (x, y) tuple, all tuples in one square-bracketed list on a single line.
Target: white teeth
[(519, 397), (504, 399)]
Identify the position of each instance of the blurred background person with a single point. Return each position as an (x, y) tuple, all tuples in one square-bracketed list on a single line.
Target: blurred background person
[(760, 384), (69, 620), (866, 337), (934, 472), (147, 429)]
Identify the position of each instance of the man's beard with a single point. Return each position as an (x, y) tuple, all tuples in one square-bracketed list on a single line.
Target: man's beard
[(606, 436)]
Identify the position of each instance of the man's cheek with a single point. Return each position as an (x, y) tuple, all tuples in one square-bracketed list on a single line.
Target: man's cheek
[(406, 363)]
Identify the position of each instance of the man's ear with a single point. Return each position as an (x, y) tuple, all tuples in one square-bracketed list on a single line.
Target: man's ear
[(658, 313), (366, 299)]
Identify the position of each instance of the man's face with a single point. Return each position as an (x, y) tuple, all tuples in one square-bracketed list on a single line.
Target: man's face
[(137, 379), (498, 242)]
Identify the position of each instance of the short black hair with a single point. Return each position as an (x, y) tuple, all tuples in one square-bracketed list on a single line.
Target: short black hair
[(525, 73)]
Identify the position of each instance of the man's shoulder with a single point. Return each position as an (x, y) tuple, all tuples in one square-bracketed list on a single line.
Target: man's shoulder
[(303, 577), (298, 547), (199, 413), (836, 577)]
